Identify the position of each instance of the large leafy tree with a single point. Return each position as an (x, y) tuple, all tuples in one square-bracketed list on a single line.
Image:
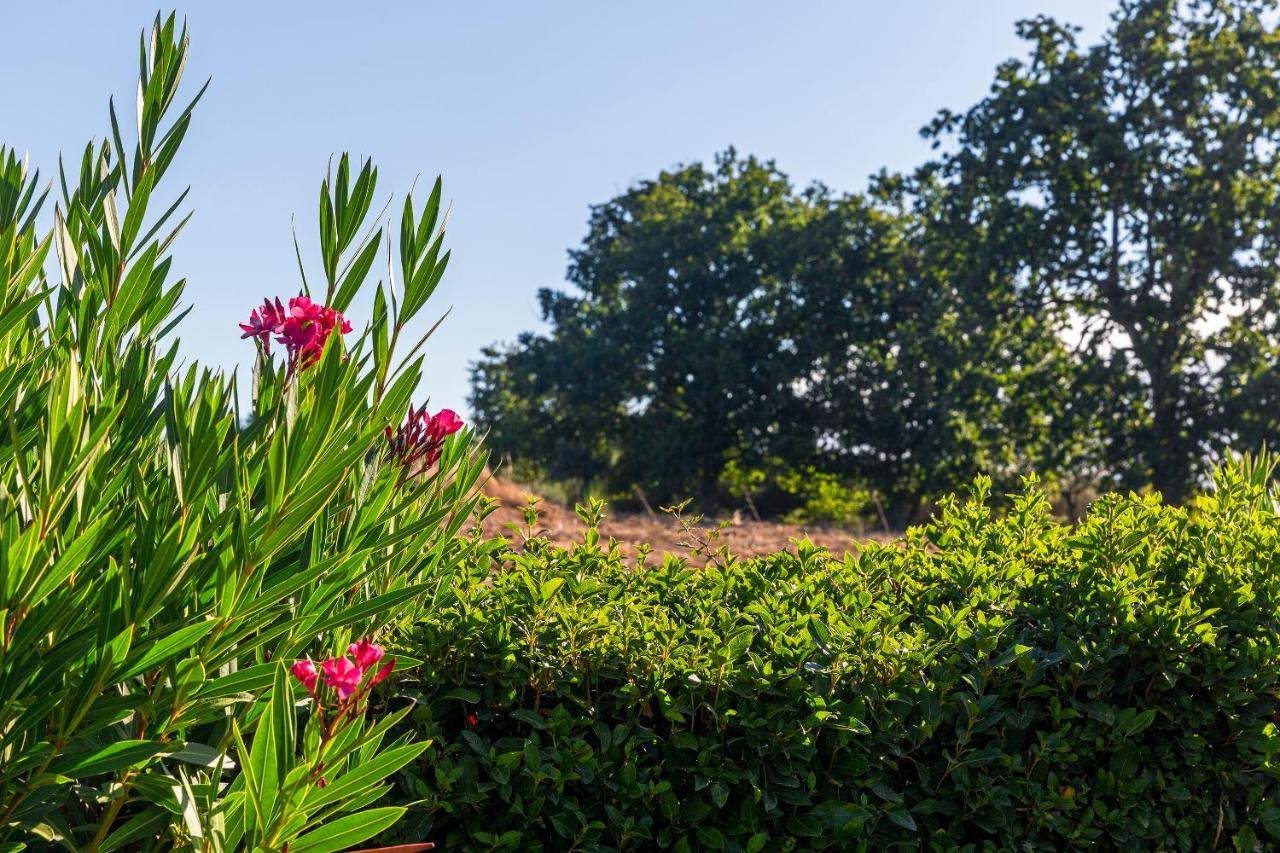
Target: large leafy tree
[(1135, 184), (667, 359), (922, 363), (549, 401), (1081, 284), (721, 316)]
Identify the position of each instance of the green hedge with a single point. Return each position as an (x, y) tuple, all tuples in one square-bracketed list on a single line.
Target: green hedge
[(994, 683)]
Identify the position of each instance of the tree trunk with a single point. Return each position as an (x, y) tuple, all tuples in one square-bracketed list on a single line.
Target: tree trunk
[(900, 512), (884, 519), (1170, 474), (644, 502), (709, 488)]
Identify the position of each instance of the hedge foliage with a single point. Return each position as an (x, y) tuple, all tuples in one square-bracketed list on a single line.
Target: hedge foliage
[(990, 683)]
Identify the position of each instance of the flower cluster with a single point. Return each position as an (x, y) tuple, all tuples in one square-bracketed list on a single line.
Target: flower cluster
[(303, 328), (345, 676), (416, 445)]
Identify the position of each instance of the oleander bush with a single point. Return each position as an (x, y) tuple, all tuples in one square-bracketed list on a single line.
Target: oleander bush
[(168, 554), (992, 683)]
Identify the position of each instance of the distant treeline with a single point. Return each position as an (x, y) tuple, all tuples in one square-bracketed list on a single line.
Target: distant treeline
[(1083, 283)]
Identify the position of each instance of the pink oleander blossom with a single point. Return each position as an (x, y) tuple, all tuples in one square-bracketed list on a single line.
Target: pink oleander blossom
[(366, 654), (304, 328), (350, 678), (445, 423), (342, 676), (383, 673), (265, 320), (303, 309), (418, 443), (305, 671)]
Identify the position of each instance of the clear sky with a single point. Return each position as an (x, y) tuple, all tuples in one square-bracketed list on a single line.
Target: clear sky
[(531, 111)]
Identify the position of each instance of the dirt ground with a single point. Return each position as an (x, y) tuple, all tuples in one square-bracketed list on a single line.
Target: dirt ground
[(743, 537)]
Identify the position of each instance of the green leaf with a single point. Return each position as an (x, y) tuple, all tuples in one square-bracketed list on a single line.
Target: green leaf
[(271, 751), (381, 344), (365, 775), (371, 609), (354, 278), (252, 679), (528, 717), (73, 557), (899, 815), (136, 211), (114, 757), (203, 755), (345, 831), (167, 647), (146, 824)]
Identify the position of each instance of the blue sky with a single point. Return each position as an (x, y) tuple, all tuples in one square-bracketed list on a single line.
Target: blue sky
[(531, 111)]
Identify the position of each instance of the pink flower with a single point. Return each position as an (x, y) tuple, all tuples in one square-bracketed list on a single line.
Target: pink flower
[(366, 654), (266, 320), (296, 334), (330, 319), (383, 673), (303, 328), (308, 328), (444, 423), (303, 309), (342, 675), (417, 445), (305, 671)]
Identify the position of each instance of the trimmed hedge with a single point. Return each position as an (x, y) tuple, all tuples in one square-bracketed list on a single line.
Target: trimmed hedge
[(991, 683)]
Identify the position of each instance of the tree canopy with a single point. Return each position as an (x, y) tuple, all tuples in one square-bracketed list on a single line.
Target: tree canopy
[(670, 357), (1134, 185), (1081, 283)]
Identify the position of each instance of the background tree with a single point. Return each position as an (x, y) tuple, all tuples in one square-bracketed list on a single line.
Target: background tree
[(547, 406), (669, 358), (1082, 284), (1135, 183), (922, 363), (724, 319)]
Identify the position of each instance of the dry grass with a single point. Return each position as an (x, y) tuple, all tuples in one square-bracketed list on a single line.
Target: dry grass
[(663, 533)]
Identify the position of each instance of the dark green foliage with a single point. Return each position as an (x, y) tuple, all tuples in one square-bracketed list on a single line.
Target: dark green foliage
[(1083, 284), (992, 683), (1133, 184), (723, 317), (670, 356), (913, 369)]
